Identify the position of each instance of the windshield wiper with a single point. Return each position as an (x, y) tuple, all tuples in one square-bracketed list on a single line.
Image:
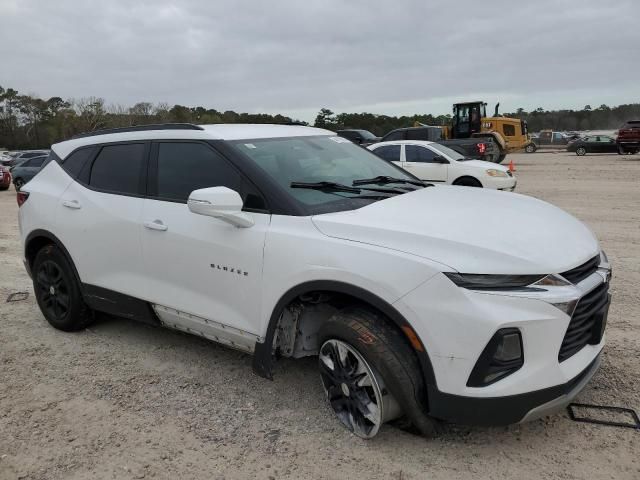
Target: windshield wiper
[(339, 187), (384, 179), (326, 186)]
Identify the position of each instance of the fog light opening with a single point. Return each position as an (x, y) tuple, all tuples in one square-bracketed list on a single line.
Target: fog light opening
[(502, 356)]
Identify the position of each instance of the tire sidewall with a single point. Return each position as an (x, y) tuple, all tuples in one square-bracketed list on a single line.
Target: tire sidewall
[(400, 371)]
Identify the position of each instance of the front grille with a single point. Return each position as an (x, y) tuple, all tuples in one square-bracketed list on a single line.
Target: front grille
[(585, 326), (576, 275)]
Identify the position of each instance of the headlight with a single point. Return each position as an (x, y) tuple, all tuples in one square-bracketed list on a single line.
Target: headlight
[(492, 172), (475, 281)]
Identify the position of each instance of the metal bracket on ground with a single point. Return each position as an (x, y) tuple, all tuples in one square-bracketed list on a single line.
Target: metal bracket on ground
[(631, 415)]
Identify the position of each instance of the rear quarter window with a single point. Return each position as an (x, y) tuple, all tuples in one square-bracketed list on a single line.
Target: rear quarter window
[(74, 163)]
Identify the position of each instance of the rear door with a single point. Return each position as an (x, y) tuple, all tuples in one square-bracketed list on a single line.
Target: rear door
[(420, 161), (98, 215)]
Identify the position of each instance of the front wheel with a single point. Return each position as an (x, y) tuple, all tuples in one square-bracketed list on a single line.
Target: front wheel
[(58, 292), (370, 374), (580, 151), (531, 148)]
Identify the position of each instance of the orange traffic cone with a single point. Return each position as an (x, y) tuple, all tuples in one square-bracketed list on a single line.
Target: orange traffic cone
[(512, 168)]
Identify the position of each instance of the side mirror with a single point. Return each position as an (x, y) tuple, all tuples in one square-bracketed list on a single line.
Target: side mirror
[(440, 159), (220, 202)]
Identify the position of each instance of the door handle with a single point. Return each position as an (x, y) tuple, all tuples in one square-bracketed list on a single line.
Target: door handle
[(75, 204), (156, 225)]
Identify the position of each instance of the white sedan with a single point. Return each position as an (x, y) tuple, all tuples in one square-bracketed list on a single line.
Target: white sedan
[(437, 163)]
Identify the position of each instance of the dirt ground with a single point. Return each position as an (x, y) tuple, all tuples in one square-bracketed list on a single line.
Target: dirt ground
[(125, 400)]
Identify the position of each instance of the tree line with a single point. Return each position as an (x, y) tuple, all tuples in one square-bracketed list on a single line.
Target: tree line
[(601, 118), (27, 121)]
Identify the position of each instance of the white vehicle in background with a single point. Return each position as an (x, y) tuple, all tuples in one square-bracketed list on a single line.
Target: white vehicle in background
[(437, 163)]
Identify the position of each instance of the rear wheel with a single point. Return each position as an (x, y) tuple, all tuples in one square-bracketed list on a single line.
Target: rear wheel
[(370, 374), (467, 182), (580, 151), (501, 157), (58, 292)]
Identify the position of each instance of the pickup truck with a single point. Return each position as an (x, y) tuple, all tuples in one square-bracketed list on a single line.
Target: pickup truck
[(548, 138), (629, 137), (481, 148)]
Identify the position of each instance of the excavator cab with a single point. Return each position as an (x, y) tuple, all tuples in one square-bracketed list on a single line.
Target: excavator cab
[(467, 118)]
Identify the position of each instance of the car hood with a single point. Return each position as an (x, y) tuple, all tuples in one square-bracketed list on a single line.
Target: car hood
[(470, 230), (483, 164)]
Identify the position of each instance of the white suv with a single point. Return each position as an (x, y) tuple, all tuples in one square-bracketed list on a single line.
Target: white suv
[(422, 304)]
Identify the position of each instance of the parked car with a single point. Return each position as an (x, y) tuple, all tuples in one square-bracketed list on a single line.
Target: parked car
[(477, 147), (422, 303), (5, 177), (361, 137), (25, 170), (628, 139), (13, 158), (593, 144), (433, 162), (547, 138)]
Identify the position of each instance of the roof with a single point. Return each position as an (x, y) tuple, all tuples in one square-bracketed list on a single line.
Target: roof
[(220, 131), (402, 142)]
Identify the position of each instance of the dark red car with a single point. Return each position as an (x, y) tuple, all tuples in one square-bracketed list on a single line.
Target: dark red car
[(5, 178), (629, 137)]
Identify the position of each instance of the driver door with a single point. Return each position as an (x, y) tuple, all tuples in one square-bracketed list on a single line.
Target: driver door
[(203, 274), (424, 163)]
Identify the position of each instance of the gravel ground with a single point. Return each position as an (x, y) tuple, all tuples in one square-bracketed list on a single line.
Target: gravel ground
[(125, 400)]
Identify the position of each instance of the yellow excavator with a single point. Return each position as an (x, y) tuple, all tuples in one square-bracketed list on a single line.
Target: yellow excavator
[(470, 120)]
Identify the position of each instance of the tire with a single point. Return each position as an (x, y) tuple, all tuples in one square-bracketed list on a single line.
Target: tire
[(467, 182), (581, 151), (531, 148), (18, 183), (501, 158), (57, 291), (391, 363)]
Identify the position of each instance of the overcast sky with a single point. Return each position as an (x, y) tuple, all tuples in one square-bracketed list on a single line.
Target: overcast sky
[(296, 56)]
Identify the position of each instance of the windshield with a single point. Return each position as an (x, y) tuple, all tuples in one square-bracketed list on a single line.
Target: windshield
[(366, 134), (320, 159), (452, 154)]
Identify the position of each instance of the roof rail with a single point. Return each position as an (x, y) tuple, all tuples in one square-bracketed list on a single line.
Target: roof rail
[(141, 128)]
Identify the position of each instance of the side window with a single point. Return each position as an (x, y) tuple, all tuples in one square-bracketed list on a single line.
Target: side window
[(390, 153), (393, 136), (73, 163), (118, 168), (417, 134), (509, 130), (557, 136), (185, 167), (414, 153), (37, 162)]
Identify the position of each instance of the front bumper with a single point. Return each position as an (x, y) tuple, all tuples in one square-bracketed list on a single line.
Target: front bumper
[(510, 409)]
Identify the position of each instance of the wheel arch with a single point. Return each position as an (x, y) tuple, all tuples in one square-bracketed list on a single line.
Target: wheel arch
[(469, 177), (263, 356), (38, 239)]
